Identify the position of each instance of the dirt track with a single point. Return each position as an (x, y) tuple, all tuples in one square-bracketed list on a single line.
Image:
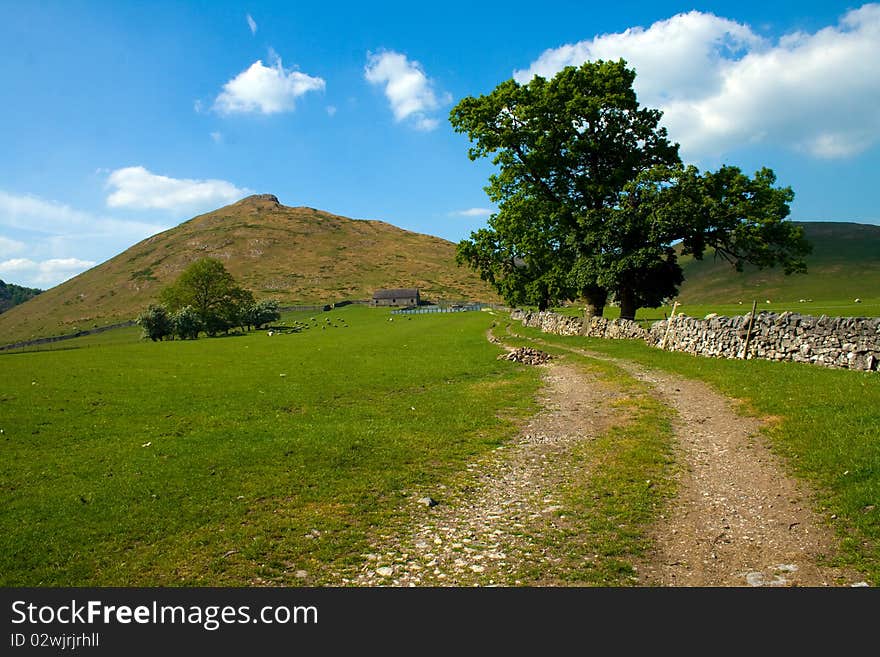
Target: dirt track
[(738, 519)]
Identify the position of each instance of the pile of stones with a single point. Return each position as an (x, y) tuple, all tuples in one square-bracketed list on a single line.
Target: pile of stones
[(526, 356)]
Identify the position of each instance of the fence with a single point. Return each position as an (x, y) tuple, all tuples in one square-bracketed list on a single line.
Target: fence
[(427, 310), (58, 338)]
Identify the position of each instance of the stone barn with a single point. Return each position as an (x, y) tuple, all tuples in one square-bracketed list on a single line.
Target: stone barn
[(401, 297)]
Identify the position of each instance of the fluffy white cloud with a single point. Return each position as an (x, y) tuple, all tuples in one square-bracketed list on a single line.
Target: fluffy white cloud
[(265, 89), (37, 215), (137, 187), (408, 89), (721, 85), (252, 24), (9, 247), (473, 212), (45, 274), (54, 241)]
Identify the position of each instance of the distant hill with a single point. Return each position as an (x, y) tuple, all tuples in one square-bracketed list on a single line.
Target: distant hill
[(12, 295), (845, 264), (297, 255)]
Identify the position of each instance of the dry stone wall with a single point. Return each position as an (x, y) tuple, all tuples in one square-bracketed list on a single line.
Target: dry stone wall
[(597, 327), (842, 342)]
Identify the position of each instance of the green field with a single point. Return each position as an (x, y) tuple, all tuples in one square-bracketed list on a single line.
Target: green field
[(256, 460), (238, 460)]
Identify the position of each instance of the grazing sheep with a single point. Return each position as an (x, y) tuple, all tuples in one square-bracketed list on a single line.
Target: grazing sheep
[(857, 300)]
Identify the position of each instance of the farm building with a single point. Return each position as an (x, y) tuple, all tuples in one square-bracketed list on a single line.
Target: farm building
[(403, 297)]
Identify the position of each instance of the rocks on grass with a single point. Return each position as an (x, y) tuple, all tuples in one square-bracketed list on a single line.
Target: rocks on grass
[(526, 356)]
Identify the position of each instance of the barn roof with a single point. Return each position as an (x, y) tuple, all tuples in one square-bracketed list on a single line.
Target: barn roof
[(395, 294)]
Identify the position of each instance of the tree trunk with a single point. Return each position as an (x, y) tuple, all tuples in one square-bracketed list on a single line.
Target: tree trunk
[(543, 304), (627, 304), (594, 302)]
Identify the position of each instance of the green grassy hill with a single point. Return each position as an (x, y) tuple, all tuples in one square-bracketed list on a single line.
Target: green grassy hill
[(296, 255), (844, 265)]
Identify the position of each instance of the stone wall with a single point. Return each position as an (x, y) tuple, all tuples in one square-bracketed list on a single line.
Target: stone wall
[(843, 342), (846, 342), (597, 327)]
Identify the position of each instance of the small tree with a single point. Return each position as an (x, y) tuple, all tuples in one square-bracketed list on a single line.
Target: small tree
[(155, 322), (262, 312), (212, 293), (186, 323)]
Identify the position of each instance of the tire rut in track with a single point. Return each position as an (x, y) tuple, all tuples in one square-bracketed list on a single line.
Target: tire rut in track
[(738, 518)]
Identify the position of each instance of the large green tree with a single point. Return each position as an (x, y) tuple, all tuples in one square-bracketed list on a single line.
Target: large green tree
[(591, 196)]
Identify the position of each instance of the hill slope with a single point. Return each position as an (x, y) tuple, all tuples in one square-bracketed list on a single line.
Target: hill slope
[(844, 264), (296, 255)]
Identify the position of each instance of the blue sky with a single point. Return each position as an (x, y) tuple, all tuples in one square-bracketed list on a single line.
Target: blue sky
[(121, 119)]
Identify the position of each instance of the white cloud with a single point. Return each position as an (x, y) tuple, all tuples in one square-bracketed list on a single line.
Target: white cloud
[(47, 273), (472, 212), (252, 24), (408, 89), (9, 247), (721, 85), (37, 215), (136, 187), (426, 123), (54, 241), (265, 89)]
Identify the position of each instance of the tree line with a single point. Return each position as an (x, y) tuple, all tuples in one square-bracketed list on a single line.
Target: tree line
[(594, 202), (205, 298), (13, 295)]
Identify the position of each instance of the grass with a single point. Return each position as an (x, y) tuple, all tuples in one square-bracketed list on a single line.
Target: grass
[(250, 460), (824, 422), (241, 460)]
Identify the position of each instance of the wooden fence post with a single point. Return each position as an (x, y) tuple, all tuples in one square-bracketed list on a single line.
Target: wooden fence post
[(668, 326), (749, 330)]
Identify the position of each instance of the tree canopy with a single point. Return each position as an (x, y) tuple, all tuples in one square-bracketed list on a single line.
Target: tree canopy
[(206, 297), (592, 196)]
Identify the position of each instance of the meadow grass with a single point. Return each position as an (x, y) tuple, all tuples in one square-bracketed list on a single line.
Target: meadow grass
[(239, 460), (249, 460), (824, 422)]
